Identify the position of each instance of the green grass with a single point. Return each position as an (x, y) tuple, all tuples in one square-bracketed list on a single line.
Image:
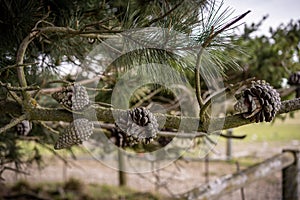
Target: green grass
[(269, 132)]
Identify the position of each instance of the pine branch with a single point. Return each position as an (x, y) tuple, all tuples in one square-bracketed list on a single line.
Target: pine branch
[(106, 115), (213, 34)]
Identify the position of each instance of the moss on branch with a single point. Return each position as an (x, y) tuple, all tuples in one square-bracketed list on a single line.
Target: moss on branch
[(106, 115)]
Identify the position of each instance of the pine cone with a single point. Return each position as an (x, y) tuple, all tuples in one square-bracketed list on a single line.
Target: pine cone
[(164, 141), (294, 79), (24, 127), (120, 138), (139, 125), (260, 102), (73, 97), (78, 131)]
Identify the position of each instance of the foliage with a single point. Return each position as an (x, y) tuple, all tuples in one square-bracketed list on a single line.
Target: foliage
[(268, 57)]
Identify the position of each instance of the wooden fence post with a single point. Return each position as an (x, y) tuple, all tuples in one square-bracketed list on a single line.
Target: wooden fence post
[(291, 178), (121, 164), (229, 145)]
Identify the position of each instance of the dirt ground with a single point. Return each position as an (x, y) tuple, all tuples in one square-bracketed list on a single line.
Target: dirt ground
[(174, 179)]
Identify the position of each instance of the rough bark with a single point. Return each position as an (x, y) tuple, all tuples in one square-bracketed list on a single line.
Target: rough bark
[(106, 115)]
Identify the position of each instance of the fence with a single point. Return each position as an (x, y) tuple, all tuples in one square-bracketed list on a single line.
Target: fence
[(288, 161)]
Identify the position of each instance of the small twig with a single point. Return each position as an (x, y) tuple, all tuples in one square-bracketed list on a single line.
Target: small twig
[(54, 152), (20, 65), (101, 22), (13, 123), (13, 94), (148, 97), (42, 20), (98, 89), (13, 169), (59, 81), (215, 34), (286, 91), (12, 88), (208, 102), (182, 135), (15, 97), (165, 14), (48, 127), (103, 104), (239, 137), (231, 89)]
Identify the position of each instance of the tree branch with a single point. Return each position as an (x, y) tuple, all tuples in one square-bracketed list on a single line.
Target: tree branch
[(19, 63), (106, 115)]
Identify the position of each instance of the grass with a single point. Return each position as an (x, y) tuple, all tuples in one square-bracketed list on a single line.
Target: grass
[(269, 132), (74, 189), (280, 130)]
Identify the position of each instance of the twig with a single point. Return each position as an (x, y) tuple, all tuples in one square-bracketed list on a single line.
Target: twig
[(20, 65), (13, 123), (215, 34), (146, 98), (101, 22), (240, 137), (208, 102), (182, 135), (15, 97), (42, 20), (48, 128), (165, 14), (83, 82), (12, 88), (286, 91), (231, 89), (13, 169), (54, 152), (103, 104)]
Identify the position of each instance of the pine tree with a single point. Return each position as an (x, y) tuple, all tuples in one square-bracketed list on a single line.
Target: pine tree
[(195, 40)]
